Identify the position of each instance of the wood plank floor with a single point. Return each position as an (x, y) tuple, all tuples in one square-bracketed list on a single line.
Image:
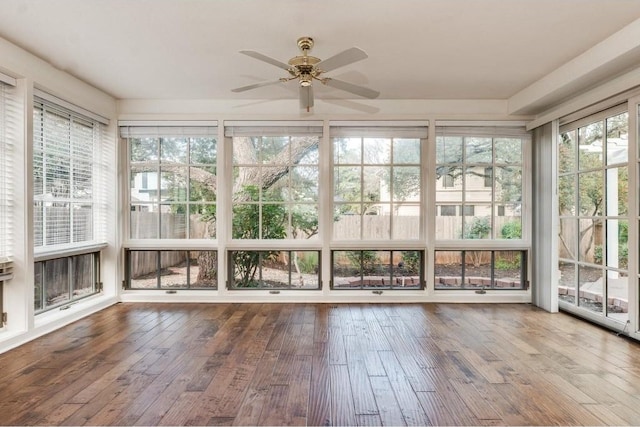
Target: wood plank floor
[(319, 364)]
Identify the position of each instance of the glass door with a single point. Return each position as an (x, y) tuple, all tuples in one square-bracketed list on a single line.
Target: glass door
[(593, 208)]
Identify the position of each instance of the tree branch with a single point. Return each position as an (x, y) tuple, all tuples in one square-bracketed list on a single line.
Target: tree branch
[(197, 174)]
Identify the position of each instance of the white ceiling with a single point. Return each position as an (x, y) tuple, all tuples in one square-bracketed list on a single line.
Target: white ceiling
[(418, 49)]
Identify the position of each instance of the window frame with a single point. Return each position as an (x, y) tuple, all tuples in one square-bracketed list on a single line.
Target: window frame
[(187, 130), (95, 180), (40, 263), (261, 283), (494, 131), (393, 134), (453, 157), (273, 129), (128, 259), (397, 281), (416, 130), (482, 284), (264, 131), (190, 133), (8, 113)]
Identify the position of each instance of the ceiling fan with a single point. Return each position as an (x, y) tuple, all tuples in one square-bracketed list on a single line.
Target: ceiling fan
[(306, 69)]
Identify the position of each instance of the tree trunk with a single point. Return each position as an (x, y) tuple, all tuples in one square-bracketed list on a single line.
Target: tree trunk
[(207, 263)]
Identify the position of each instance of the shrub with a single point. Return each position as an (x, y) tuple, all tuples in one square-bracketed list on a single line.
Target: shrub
[(308, 263), (478, 228), (511, 230), (364, 261), (411, 261), (507, 264)]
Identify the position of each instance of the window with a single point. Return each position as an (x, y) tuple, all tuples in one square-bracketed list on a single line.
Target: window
[(377, 197), (274, 269), (173, 181), (68, 171), (172, 269), (488, 177), (69, 197), (59, 281), (145, 181), (448, 210), (377, 182), (173, 187), (275, 181), (377, 269), (7, 141), (447, 181), (593, 235), (485, 164), (480, 269), (8, 114)]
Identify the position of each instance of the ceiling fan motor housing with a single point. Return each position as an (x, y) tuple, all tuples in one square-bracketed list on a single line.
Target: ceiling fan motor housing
[(303, 66), (305, 43)]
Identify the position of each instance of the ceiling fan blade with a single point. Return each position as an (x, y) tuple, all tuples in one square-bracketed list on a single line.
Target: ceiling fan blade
[(306, 97), (265, 58), (355, 89), (341, 59), (253, 86)]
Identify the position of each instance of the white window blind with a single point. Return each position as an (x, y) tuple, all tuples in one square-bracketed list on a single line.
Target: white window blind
[(8, 127), (400, 129), (69, 165), (488, 129), (272, 128), (168, 130)]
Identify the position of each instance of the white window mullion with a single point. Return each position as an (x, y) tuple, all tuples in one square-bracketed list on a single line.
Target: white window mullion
[(492, 208)]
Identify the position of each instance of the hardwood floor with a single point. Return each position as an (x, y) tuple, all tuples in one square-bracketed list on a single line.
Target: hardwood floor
[(317, 364)]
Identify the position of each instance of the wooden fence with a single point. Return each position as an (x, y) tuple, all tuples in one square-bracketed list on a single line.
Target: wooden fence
[(173, 226)]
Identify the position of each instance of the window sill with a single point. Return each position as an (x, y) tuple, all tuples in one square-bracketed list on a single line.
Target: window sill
[(72, 311)]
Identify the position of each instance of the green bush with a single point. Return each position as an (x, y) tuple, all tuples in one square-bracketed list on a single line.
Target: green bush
[(364, 261), (598, 254), (411, 261), (308, 262), (507, 264), (512, 230), (478, 228), (623, 255)]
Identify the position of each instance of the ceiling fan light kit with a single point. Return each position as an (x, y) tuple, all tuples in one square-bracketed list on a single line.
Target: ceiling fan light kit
[(306, 68)]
